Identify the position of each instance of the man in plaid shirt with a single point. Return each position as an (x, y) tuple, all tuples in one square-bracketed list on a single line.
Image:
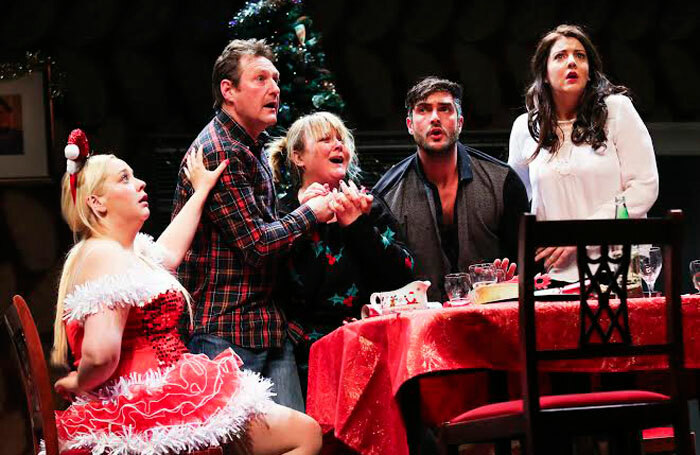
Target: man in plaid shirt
[(232, 265)]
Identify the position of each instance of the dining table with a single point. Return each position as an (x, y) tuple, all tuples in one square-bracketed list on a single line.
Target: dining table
[(361, 373)]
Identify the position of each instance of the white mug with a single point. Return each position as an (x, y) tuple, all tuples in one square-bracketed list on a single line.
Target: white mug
[(413, 293)]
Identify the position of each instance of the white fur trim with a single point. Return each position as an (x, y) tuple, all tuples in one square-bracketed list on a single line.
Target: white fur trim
[(152, 380), (136, 287), (145, 246), (72, 152), (71, 167), (251, 399)]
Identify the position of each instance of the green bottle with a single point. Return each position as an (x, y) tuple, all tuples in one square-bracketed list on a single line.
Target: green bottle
[(634, 276), (621, 212)]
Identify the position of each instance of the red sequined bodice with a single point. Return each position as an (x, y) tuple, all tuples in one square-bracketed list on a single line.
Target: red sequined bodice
[(150, 339)]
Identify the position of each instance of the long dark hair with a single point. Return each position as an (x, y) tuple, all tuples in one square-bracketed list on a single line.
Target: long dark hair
[(592, 113)]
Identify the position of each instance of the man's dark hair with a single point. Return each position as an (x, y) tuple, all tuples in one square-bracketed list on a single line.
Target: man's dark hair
[(227, 65), (429, 85)]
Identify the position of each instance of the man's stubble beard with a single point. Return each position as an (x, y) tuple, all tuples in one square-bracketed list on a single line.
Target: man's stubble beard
[(422, 143)]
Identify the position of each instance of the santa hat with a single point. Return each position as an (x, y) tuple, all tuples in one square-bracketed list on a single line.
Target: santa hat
[(77, 151)]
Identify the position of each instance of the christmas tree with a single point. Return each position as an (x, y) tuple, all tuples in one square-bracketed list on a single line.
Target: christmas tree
[(305, 84)]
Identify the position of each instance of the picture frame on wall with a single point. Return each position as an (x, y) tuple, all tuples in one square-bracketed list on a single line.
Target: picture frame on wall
[(25, 128)]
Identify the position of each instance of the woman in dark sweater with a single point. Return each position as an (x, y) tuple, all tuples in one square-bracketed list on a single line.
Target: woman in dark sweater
[(332, 271)]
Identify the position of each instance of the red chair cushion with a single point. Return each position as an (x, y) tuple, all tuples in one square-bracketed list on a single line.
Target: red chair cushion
[(575, 400), (658, 433)]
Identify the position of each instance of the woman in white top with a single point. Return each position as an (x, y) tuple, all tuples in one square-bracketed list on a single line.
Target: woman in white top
[(581, 142)]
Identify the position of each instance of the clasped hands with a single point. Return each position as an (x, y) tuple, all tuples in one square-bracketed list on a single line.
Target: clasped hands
[(345, 203)]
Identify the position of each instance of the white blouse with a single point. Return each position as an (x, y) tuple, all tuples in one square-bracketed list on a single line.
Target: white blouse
[(581, 183)]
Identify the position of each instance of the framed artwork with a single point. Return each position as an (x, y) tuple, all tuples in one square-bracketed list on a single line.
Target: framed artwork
[(25, 128)]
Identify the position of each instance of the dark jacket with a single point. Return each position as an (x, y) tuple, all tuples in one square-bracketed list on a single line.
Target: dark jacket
[(489, 202)]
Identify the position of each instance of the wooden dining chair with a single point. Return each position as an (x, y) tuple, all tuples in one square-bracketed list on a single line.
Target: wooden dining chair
[(604, 332), (35, 375), (35, 380)]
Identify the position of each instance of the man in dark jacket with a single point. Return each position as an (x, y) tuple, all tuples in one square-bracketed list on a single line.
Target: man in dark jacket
[(458, 206)]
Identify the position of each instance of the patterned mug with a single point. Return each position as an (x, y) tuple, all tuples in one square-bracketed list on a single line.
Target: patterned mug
[(413, 293)]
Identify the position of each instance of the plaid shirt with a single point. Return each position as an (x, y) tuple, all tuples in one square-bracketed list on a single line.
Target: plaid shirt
[(232, 264)]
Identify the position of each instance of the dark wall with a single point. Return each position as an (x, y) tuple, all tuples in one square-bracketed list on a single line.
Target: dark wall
[(138, 68), (378, 48)]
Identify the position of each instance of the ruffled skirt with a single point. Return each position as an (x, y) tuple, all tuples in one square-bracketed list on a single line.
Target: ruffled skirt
[(195, 404)]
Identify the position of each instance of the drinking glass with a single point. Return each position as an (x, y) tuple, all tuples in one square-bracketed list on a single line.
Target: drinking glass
[(650, 266), (695, 273), (457, 286), (482, 274)]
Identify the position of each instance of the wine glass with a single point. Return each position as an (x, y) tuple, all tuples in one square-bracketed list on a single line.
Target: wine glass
[(650, 265), (695, 273)]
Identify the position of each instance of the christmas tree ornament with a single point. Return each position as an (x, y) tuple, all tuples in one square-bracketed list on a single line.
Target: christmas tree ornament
[(300, 30)]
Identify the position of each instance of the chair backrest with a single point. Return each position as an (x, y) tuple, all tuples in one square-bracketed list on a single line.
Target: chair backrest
[(35, 375), (609, 276)]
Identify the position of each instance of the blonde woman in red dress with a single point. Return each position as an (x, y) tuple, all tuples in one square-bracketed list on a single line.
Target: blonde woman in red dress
[(136, 389)]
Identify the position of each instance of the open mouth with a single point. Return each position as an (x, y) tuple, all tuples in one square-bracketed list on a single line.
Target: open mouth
[(337, 160), (144, 199), (436, 133), (271, 105), (571, 75)]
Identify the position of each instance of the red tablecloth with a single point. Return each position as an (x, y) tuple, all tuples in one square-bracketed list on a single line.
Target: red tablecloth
[(356, 371)]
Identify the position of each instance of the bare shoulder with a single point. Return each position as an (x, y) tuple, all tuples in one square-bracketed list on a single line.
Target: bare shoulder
[(100, 257)]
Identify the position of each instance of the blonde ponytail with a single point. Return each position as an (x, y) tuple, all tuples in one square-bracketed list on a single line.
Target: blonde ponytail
[(59, 353), (276, 157)]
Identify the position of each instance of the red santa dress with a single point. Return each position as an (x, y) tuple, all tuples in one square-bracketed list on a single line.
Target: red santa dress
[(161, 399)]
